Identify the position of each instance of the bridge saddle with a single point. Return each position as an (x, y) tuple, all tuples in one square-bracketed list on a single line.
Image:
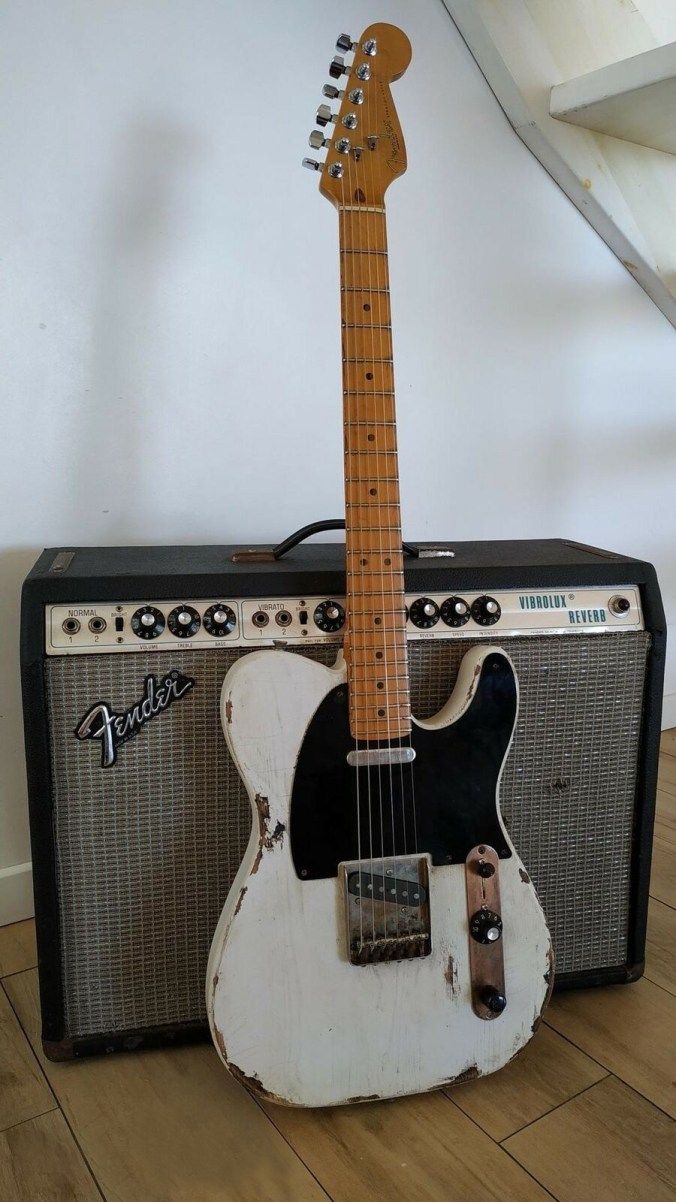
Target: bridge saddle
[(387, 908)]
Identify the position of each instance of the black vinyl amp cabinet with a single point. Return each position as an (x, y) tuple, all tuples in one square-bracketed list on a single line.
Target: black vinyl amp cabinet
[(138, 817)]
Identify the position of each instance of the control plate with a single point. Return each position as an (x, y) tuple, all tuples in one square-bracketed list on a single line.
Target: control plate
[(291, 620)]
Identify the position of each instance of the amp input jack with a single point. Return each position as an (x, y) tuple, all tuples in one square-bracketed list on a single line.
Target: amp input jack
[(283, 618), (97, 625), (260, 619), (70, 626)]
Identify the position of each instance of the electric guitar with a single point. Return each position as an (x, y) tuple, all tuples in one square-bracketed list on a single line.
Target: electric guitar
[(382, 936)]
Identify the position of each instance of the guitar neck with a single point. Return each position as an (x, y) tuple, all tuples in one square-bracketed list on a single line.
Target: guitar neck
[(375, 646)]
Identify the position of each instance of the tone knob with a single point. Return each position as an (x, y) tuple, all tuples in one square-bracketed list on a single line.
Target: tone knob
[(424, 613), (485, 926), (147, 622), (455, 611), (492, 999), (184, 622), (219, 620), (329, 616), (485, 611)]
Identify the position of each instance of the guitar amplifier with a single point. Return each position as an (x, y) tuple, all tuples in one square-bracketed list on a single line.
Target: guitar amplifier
[(138, 816)]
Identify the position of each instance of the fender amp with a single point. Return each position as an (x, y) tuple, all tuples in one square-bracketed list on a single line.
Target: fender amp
[(138, 817)]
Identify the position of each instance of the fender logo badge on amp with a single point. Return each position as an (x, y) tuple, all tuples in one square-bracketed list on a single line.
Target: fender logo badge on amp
[(101, 722)]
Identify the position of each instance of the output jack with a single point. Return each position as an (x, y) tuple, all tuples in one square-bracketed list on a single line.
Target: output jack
[(260, 619), (70, 626), (97, 625), (283, 618)]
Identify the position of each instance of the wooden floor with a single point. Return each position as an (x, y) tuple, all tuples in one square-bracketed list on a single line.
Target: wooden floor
[(586, 1113)]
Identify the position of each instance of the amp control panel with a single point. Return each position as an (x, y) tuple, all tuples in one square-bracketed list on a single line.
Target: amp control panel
[(218, 621)]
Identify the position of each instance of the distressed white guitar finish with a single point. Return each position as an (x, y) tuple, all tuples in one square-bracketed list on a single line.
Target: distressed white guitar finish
[(290, 1015)]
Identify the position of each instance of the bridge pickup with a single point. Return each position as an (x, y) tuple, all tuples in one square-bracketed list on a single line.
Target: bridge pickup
[(377, 756), (387, 888), (387, 908)]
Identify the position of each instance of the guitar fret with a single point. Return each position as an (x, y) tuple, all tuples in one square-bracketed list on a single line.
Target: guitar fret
[(365, 288), (349, 250), (347, 359), (365, 325)]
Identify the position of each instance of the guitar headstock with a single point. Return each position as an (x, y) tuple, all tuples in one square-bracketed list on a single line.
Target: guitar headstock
[(363, 137)]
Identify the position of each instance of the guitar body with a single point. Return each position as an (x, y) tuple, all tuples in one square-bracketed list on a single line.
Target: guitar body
[(291, 1015)]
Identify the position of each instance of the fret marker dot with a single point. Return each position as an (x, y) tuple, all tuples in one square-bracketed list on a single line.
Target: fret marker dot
[(373, 492), (379, 655), (377, 621), (367, 308), (369, 375), (371, 437), (380, 684), (388, 561), (381, 713), (363, 562)]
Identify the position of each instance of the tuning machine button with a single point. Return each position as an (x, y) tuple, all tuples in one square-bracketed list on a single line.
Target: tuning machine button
[(344, 42), (324, 115), (486, 611), (455, 611), (331, 92), (147, 622), (313, 165), (424, 613), (219, 620), (337, 67), (317, 140), (184, 622), (329, 616)]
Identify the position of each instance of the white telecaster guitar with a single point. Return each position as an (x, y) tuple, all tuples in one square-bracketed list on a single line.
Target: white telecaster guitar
[(382, 936)]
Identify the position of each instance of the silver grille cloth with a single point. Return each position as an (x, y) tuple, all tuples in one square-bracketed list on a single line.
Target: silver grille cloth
[(146, 850)]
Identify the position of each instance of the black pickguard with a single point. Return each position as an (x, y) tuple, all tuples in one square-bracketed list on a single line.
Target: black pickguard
[(444, 803)]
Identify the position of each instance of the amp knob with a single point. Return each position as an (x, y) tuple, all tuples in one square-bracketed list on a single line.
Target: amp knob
[(485, 611), (147, 622), (424, 613), (219, 620), (455, 611), (329, 616), (184, 622)]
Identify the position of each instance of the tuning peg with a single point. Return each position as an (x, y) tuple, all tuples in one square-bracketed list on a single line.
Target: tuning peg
[(337, 67), (317, 140), (324, 115), (313, 165), (345, 43), (332, 92)]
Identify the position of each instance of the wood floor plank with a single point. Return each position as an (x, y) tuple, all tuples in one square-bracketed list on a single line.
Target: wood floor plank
[(668, 742), (24, 1092), (168, 1126), (630, 1029), (17, 947), (661, 945), (548, 1072), (405, 1150), (665, 814), (666, 774), (608, 1144), (663, 871), (40, 1162)]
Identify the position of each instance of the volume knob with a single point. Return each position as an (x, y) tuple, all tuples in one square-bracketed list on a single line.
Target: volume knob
[(329, 616)]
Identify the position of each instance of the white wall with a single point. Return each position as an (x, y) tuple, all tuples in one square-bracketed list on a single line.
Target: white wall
[(170, 309)]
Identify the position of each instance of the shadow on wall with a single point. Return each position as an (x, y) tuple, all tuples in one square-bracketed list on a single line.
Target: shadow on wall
[(15, 564), (137, 238)]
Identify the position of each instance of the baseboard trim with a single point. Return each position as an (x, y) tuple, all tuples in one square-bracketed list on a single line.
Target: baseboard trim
[(669, 711), (16, 893)]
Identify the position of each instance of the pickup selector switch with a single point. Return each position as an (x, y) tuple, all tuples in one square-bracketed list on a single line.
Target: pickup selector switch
[(147, 622), (329, 616), (219, 620), (455, 611), (486, 611), (424, 613), (184, 622)]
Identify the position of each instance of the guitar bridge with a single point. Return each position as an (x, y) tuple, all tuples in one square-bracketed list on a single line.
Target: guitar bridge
[(387, 908)]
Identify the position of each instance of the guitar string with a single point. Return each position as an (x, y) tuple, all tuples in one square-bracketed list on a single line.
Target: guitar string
[(354, 576), (387, 637), (370, 669), (347, 437)]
